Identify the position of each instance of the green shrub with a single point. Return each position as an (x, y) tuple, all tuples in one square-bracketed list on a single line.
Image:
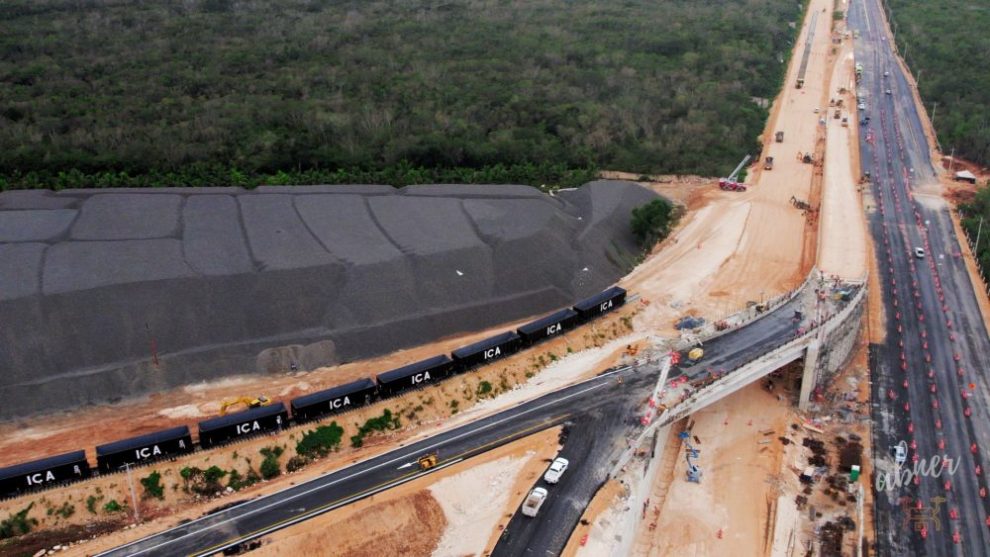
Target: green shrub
[(66, 510), (269, 466), (113, 506), (153, 486), (484, 388), (91, 503), (320, 441), (214, 474), (379, 423), (203, 482), (17, 524), (651, 222)]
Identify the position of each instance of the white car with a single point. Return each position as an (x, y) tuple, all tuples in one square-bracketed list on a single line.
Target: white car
[(556, 470), (886, 74), (900, 454), (887, 91), (919, 253), (862, 106), (534, 501)]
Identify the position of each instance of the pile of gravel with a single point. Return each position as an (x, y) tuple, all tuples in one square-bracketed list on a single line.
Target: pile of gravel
[(221, 281)]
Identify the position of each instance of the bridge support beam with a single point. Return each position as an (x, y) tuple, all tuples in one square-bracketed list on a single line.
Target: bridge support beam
[(809, 378)]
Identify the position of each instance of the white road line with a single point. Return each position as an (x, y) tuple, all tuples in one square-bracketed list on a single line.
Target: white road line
[(866, 14), (280, 501)]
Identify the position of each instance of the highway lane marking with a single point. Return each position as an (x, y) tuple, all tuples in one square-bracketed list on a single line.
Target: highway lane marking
[(375, 467), (347, 499)]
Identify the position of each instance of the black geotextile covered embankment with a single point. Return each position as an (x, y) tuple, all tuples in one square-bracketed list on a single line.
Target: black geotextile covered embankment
[(221, 281)]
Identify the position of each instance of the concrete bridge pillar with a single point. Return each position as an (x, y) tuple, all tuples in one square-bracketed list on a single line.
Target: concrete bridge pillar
[(808, 379)]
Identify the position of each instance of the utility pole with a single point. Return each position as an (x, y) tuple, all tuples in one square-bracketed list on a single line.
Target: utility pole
[(934, 106), (130, 481), (952, 158)]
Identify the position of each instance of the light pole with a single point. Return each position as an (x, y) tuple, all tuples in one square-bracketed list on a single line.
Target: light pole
[(130, 481)]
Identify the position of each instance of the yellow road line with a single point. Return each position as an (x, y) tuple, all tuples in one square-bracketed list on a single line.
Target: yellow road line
[(390, 483)]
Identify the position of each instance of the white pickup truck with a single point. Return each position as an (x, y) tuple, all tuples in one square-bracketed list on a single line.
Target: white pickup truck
[(534, 501)]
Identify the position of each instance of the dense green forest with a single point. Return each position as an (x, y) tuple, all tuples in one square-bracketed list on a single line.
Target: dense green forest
[(948, 48), (212, 92)]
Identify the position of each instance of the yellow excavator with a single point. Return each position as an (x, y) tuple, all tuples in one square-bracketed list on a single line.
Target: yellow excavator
[(245, 400)]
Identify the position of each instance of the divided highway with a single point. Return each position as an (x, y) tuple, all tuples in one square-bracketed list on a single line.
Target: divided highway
[(929, 382), (598, 415)]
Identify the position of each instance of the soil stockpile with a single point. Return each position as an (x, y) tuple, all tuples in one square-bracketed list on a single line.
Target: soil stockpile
[(95, 285)]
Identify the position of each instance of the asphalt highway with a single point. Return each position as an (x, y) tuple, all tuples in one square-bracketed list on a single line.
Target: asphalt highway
[(598, 415), (935, 337)]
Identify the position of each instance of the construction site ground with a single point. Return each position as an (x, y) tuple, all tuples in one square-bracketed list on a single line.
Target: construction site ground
[(729, 249), (741, 462)]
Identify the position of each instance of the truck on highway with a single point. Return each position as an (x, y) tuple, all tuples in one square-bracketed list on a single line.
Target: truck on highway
[(534, 501)]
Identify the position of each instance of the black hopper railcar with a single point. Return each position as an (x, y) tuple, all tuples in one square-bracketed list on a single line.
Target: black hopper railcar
[(68, 467), (330, 401), (217, 431), (601, 303), (163, 444), (484, 351), (414, 375), (550, 326)]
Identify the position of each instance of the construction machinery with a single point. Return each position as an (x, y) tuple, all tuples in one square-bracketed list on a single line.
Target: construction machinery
[(691, 453), (262, 400), (695, 355), (730, 183), (768, 163), (427, 461)]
